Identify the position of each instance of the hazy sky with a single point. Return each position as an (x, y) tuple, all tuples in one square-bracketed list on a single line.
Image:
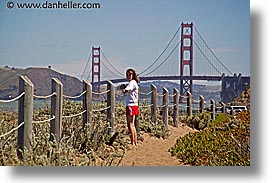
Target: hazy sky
[(131, 33)]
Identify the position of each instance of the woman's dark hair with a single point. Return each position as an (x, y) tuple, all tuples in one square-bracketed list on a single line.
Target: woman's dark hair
[(135, 75)]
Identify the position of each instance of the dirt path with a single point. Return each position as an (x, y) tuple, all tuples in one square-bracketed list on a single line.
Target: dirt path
[(153, 151)]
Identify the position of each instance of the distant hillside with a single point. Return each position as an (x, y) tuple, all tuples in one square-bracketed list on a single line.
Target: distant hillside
[(209, 92), (41, 78), (243, 99)]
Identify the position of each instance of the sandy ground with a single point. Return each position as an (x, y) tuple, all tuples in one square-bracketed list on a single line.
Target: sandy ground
[(153, 151)]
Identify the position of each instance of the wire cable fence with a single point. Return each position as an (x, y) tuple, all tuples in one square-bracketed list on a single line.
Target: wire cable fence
[(25, 110), (14, 99), (44, 97), (153, 101), (8, 101)]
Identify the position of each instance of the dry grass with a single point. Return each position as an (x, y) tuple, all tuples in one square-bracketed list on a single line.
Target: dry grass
[(77, 147)]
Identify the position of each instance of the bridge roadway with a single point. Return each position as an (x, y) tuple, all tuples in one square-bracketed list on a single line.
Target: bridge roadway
[(199, 78)]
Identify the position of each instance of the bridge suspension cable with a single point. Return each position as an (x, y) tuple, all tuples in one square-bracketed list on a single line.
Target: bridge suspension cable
[(87, 63), (207, 58), (102, 61), (160, 55), (215, 63), (207, 46), (119, 73), (116, 73), (164, 59)]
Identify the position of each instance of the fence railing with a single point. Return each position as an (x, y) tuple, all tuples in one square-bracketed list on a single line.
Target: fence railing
[(25, 108)]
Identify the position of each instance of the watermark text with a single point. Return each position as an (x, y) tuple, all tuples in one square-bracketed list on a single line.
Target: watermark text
[(53, 5)]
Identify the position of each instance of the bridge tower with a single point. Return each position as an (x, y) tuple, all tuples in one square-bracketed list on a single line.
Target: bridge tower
[(186, 57), (96, 68)]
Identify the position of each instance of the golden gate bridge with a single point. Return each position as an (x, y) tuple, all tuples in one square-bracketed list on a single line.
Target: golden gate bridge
[(196, 61)]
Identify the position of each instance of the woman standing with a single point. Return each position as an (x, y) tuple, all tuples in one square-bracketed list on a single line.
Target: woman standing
[(131, 91)]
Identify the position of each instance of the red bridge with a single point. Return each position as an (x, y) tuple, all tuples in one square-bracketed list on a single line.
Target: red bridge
[(210, 67)]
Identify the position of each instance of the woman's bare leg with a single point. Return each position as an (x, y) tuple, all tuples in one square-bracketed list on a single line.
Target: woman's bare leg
[(132, 129), (135, 131)]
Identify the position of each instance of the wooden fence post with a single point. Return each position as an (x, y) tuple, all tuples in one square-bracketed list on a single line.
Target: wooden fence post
[(213, 109), (189, 104), (87, 104), (165, 101), (176, 108), (223, 107), (56, 110), (154, 103), (232, 112), (111, 104), (25, 113), (201, 104)]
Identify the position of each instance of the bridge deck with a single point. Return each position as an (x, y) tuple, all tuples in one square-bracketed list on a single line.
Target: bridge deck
[(151, 78)]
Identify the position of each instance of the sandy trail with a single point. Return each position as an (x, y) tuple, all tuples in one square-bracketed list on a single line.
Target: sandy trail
[(153, 151)]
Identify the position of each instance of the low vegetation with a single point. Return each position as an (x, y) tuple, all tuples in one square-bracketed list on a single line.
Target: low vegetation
[(77, 147), (223, 142)]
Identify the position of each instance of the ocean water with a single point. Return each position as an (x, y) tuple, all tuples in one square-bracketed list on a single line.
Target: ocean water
[(13, 106)]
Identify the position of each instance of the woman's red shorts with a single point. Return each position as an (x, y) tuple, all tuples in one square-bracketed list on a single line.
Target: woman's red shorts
[(132, 110)]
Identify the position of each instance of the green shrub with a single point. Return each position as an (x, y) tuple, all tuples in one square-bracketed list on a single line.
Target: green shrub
[(225, 142)]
